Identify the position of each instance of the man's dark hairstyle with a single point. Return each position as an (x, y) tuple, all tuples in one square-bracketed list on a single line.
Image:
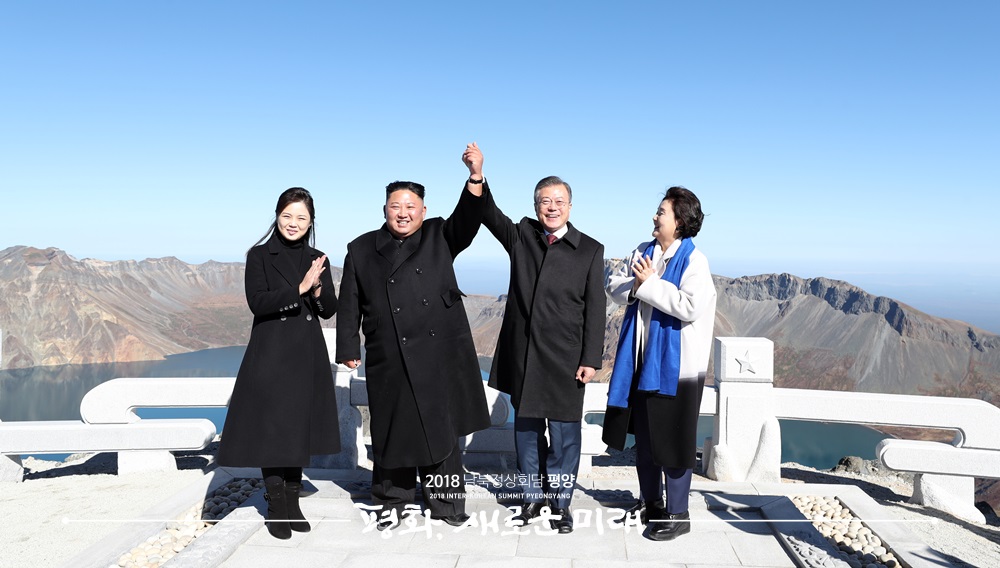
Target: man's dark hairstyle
[(407, 185), (550, 181)]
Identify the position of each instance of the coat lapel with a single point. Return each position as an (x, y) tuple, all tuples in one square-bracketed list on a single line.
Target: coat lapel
[(283, 262), (572, 236), (394, 253)]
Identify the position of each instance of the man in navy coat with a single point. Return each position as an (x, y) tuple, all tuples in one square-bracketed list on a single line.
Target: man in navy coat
[(551, 340)]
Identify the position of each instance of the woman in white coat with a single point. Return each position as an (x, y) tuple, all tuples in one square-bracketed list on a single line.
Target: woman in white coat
[(663, 354)]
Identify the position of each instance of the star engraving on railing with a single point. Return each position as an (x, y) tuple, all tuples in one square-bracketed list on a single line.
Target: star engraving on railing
[(746, 365)]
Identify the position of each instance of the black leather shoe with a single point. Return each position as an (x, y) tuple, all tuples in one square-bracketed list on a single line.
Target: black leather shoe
[(673, 526), (654, 512), (644, 511), (638, 509), (564, 524), (529, 511), (388, 520), (387, 524), (453, 520)]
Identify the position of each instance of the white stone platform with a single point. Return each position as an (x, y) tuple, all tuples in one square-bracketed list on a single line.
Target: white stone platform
[(733, 524)]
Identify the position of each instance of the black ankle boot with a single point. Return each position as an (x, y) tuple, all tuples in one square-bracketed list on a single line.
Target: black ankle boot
[(277, 509), (296, 520)]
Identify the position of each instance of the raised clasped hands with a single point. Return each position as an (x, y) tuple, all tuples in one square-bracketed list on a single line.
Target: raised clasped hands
[(473, 159), (311, 281)]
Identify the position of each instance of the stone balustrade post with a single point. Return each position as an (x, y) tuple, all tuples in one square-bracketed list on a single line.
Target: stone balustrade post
[(746, 444), (351, 440)]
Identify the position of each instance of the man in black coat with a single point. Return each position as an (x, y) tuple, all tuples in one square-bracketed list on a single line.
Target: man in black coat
[(425, 390), (551, 340)]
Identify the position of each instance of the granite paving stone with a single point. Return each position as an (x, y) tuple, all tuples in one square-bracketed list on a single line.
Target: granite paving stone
[(583, 542), (697, 547), (469, 561), (269, 557), (598, 563), (729, 521), (389, 559), (759, 550)]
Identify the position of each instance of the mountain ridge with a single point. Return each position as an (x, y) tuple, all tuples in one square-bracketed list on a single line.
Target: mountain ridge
[(829, 334)]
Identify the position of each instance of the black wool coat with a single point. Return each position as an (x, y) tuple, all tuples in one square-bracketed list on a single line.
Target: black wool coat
[(554, 320), (424, 385), (283, 408)]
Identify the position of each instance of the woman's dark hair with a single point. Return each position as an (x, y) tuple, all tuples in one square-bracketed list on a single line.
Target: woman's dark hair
[(287, 197), (687, 211), (404, 185)]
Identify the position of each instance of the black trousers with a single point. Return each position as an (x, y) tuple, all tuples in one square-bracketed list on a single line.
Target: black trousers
[(651, 474), (443, 486)]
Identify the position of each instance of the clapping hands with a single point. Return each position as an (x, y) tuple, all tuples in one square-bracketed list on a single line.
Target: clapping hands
[(312, 281)]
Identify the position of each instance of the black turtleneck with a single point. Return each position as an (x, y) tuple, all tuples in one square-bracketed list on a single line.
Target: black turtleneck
[(294, 251)]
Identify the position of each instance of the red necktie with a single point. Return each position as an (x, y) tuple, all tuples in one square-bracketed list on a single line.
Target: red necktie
[(552, 238)]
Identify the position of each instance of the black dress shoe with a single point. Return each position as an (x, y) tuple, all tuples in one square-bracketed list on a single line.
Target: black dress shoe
[(644, 511), (389, 520), (564, 524), (453, 520), (529, 511), (638, 509), (673, 526), (654, 512)]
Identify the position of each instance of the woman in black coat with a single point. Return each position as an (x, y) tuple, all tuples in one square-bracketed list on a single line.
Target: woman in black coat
[(662, 358), (283, 408)]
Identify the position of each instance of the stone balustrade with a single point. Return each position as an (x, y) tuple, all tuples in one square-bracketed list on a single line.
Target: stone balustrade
[(745, 445)]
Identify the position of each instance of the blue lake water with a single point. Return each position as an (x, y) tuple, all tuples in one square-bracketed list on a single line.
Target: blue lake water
[(54, 393)]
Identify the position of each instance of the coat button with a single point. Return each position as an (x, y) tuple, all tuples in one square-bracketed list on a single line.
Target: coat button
[(424, 302), (395, 310), (295, 305), (403, 341), (420, 271), (392, 281), (283, 318), (309, 317), (432, 333)]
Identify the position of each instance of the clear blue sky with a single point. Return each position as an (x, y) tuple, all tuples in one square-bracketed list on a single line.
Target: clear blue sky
[(857, 140)]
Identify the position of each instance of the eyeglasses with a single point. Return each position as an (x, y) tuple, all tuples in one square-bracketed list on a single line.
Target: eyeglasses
[(546, 202)]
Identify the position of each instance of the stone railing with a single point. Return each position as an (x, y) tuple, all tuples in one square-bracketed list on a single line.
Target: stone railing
[(746, 444)]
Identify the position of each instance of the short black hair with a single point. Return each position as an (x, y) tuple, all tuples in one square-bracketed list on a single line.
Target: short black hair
[(549, 182), (687, 211), (404, 185)]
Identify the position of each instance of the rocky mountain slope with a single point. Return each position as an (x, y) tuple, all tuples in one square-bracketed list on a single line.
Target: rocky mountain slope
[(55, 309), (832, 335)]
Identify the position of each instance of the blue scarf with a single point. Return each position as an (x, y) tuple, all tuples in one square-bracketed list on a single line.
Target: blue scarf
[(661, 366)]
